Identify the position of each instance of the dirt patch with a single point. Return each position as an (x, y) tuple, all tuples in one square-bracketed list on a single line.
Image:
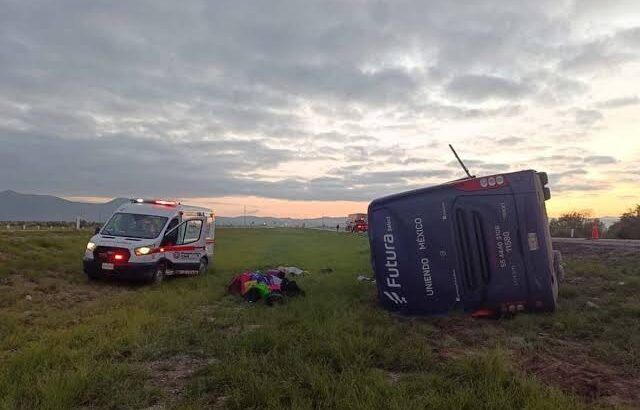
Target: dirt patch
[(172, 374), (569, 368), (474, 333), (583, 376), (47, 293)]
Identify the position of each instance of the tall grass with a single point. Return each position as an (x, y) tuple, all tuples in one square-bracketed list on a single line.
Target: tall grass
[(334, 348)]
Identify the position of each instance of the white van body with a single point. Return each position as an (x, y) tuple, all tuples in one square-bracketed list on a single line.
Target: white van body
[(151, 239)]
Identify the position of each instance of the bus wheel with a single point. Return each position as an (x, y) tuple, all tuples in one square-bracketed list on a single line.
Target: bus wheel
[(558, 265), (204, 266), (158, 275)]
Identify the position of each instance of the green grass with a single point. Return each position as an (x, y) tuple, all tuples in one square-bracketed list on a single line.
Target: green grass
[(188, 344)]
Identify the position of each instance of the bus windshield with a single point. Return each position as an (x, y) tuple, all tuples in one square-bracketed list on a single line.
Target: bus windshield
[(135, 225)]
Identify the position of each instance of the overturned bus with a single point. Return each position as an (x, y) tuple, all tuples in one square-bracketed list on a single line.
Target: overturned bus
[(477, 244)]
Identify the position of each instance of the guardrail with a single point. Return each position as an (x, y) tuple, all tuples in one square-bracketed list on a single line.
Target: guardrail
[(619, 243)]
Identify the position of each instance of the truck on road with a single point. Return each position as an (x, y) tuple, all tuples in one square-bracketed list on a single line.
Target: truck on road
[(357, 223)]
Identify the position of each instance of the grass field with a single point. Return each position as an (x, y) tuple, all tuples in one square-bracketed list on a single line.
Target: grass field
[(69, 343)]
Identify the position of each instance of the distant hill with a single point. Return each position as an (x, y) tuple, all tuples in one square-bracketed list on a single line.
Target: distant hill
[(609, 220), (15, 206)]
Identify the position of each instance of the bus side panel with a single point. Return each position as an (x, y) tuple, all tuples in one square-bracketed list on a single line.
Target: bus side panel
[(536, 240)]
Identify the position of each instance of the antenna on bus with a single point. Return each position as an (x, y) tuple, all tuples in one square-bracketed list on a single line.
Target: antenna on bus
[(461, 163)]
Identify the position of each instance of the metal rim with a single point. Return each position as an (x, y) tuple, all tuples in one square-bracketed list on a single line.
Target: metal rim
[(158, 276)]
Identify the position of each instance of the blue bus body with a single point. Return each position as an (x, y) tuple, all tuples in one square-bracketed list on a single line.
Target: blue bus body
[(473, 244)]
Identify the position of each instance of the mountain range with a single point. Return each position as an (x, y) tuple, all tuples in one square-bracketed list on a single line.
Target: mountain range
[(15, 206)]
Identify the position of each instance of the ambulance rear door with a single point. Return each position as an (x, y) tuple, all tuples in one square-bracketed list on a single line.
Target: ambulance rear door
[(210, 229)]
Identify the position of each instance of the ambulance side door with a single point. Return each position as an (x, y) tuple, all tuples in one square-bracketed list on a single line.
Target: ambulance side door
[(189, 246)]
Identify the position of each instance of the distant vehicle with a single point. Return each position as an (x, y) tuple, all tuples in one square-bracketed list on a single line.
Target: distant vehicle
[(151, 239), (357, 223), (479, 244)]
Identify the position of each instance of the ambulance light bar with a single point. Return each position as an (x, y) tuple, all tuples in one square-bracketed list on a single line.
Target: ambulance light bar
[(155, 201)]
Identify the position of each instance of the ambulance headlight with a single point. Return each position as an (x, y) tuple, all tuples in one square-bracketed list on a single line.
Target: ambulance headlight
[(91, 246), (144, 250)]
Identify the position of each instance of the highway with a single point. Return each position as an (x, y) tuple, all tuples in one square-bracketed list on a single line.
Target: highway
[(605, 243)]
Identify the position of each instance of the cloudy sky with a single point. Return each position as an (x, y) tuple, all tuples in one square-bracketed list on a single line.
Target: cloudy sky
[(307, 108)]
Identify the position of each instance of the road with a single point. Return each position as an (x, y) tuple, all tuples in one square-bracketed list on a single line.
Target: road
[(605, 243)]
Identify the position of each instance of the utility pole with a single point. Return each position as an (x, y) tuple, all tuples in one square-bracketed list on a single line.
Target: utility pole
[(244, 216)]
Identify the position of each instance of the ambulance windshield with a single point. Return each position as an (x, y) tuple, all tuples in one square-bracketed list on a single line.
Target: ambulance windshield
[(135, 226)]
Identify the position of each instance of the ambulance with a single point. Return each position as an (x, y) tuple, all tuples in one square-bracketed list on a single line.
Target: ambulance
[(148, 239)]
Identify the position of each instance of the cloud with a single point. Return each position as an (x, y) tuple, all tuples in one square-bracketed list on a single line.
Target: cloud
[(600, 159), (294, 99), (557, 176), (581, 187), (587, 117), (618, 102), (484, 87), (510, 140), (604, 53)]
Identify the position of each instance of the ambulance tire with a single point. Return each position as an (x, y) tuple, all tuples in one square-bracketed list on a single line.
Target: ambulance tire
[(204, 266), (94, 276), (158, 275)]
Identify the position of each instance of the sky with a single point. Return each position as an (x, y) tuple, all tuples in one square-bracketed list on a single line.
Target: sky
[(311, 108)]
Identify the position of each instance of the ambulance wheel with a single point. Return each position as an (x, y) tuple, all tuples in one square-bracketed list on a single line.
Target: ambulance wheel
[(158, 275), (204, 266), (93, 276)]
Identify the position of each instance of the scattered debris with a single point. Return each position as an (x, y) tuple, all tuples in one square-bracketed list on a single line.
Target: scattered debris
[(592, 305), (393, 377), (363, 278), (271, 286), (28, 297), (292, 270)]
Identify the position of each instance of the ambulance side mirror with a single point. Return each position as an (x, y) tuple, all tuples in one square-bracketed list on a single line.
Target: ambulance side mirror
[(97, 230)]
